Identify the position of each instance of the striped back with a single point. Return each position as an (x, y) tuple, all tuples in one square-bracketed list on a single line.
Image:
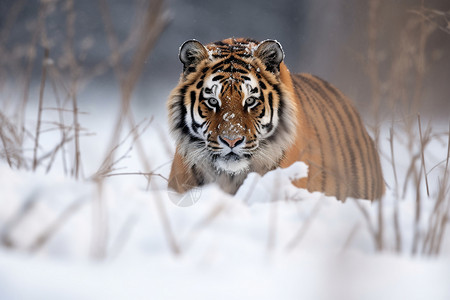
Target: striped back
[(341, 155)]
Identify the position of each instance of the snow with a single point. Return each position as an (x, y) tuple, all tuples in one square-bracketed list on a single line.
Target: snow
[(227, 116), (250, 252), (276, 185), (110, 240)]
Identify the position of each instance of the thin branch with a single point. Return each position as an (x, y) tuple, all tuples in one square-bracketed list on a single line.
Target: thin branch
[(49, 232), (41, 101), (137, 173), (304, 228), (423, 156)]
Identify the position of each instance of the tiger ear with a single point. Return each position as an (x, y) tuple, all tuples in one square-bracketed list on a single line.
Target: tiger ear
[(271, 54), (191, 53)]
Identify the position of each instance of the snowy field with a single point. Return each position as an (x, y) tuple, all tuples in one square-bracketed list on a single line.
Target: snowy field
[(124, 237)]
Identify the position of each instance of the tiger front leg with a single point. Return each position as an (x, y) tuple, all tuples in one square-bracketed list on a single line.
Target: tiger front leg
[(181, 178)]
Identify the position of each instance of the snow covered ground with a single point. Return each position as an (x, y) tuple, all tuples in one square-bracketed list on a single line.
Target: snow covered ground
[(122, 239)]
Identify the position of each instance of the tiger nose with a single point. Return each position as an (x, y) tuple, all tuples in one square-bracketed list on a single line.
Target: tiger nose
[(231, 143)]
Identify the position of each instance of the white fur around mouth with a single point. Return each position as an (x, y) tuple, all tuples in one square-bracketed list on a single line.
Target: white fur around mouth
[(232, 166)]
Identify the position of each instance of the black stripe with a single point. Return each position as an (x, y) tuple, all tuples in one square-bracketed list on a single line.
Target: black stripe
[(183, 90), (220, 43), (225, 88), (197, 176), (282, 122), (269, 127), (256, 127), (217, 66), (195, 125), (206, 129), (199, 110), (271, 106), (263, 111), (232, 69), (234, 60), (229, 61), (208, 91), (181, 122), (217, 77)]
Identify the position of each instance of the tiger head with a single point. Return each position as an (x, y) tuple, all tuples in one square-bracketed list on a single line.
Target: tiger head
[(231, 112)]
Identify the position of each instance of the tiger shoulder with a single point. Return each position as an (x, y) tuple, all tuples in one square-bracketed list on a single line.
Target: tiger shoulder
[(237, 109)]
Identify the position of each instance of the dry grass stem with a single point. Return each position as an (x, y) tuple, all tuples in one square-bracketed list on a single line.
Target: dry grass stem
[(51, 230), (100, 230), (295, 241), (398, 237), (67, 77), (147, 175), (110, 161), (23, 212), (41, 101), (154, 20), (350, 237), (423, 156), (369, 224), (122, 237), (29, 68), (206, 221)]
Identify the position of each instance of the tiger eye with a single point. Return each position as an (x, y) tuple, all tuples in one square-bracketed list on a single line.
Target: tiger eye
[(250, 101), (212, 101)]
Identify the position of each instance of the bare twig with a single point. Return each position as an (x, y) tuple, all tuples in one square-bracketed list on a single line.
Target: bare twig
[(418, 212), (304, 228), (369, 224), (122, 237), (41, 101), (50, 231), (423, 156), (206, 221), (373, 65), (438, 18), (398, 238), (147, 175), (154, 21), (13, 222), (5, 145), (350, 237), (30, 63), (75, 73)]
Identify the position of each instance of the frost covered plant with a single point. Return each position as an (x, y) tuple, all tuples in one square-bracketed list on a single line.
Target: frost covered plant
[(416, 158)]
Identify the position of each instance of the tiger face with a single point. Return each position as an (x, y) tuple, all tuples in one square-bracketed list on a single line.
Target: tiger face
[(232, 116), (230, 113)]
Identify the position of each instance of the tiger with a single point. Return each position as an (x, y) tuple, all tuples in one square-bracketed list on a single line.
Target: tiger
[(237, 109)]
